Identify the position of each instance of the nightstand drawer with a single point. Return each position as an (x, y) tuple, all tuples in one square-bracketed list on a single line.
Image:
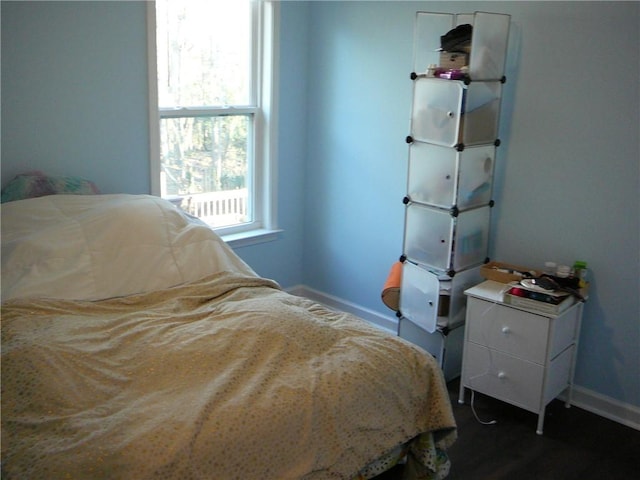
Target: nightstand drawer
[(508, 330), (503, 376)]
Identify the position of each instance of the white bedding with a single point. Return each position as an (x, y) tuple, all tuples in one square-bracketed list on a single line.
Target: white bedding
[(92, 247)]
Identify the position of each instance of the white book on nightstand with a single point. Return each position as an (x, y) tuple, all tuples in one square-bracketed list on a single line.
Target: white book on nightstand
[(489, 290)]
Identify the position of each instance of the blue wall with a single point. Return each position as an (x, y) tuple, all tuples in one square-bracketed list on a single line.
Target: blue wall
[(74, 91), (567, 173), (567, 185)]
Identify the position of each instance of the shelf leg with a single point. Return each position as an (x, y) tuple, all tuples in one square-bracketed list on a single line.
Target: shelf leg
[(567, 403), (540, 421), (461, 394)]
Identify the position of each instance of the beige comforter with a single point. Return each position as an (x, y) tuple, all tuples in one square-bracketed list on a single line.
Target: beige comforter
[(227, 377)]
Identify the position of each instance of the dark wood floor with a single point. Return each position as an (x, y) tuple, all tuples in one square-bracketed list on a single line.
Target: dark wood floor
[(576, 444)]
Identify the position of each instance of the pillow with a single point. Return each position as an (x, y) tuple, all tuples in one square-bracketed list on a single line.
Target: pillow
[(38, 184)]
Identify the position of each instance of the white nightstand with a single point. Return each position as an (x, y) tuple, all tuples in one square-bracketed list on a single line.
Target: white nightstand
[(520, 356)]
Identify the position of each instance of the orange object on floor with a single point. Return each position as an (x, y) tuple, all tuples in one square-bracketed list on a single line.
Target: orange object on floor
[(391, 288)]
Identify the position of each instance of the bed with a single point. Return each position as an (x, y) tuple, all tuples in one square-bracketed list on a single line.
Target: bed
[(137, 344)]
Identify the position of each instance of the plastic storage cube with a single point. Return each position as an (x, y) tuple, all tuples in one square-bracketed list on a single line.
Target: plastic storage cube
[(450, 113), (432, 299), (435, 238), (445, 178), (488, 41)]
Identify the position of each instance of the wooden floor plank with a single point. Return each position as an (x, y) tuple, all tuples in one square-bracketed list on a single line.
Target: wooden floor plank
[(576, 445)]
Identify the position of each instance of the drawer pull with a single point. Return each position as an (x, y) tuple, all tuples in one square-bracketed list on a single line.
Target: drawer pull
[(502, 375), (506, 330)]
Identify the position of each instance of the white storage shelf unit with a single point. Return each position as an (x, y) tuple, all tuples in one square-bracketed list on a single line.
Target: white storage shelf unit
[(452, 141)]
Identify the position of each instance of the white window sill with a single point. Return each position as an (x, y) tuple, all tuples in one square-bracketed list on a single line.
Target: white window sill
[(251, 237)]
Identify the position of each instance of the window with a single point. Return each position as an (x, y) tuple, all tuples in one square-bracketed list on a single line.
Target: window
[(211, 81)]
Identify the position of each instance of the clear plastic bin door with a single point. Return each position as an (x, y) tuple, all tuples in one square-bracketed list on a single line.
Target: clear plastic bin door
[(481, 113), (489, 45), (419, 295), (442, 177), (472, 238), (426, 42), (428, 236), (475, 180), (433, 173), (435, 116)]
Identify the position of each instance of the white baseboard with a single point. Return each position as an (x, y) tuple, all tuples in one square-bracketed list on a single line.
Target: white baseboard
[(389, 323), (607, 407)]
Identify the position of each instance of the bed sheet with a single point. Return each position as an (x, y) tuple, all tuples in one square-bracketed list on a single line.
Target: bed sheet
[(225, 377)]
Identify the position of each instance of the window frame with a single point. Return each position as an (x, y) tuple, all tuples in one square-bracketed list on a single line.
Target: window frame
[(263, 189)]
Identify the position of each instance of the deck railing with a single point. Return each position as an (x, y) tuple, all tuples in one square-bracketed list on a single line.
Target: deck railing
[(218, 209)]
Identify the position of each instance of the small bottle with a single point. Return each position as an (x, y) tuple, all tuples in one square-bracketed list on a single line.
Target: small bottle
[(549, 268), (563, 271), (580, 272)]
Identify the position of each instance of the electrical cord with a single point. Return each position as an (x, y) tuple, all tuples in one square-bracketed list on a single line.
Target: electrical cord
[(490, 363), (473, 409)]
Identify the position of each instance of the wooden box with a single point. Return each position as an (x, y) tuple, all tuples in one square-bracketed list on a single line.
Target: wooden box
[(506, 272), (453, 60)]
